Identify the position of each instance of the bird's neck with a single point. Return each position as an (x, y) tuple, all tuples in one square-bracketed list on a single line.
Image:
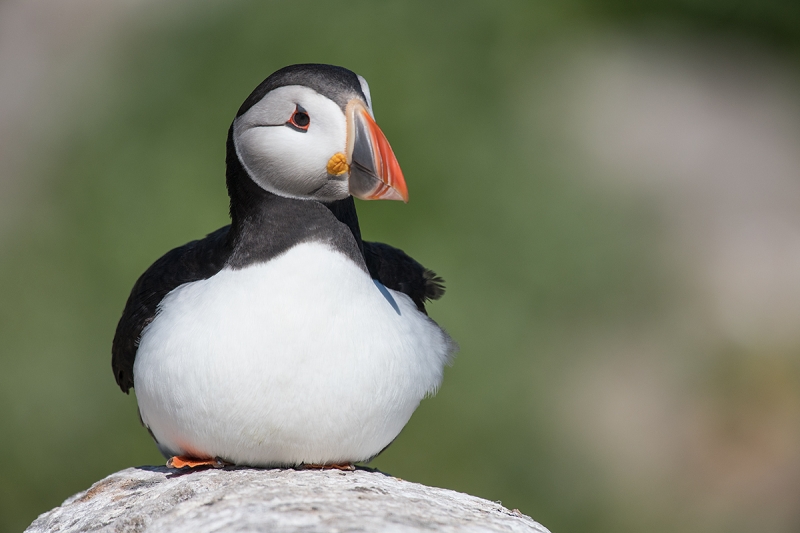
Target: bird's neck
[(345, 212), (252, 207)]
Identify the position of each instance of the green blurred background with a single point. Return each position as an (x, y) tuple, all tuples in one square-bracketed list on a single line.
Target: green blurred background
[(611, 190)]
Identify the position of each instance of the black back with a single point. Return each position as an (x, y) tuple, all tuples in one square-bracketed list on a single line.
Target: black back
[(263, 226)]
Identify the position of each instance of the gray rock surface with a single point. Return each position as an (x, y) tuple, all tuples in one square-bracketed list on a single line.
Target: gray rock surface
[(158, 499)]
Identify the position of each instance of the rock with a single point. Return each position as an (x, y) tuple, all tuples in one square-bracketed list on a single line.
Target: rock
[(159, 499)]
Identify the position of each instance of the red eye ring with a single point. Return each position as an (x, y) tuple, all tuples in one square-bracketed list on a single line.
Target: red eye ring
[(299, 119)]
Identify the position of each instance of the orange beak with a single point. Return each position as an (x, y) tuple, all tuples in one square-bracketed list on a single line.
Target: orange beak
[(374, 171)]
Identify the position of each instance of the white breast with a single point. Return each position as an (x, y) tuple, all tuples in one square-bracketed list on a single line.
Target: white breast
[(300, 359)]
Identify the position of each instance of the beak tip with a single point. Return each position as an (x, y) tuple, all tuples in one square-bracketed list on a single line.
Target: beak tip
[(398, 193)]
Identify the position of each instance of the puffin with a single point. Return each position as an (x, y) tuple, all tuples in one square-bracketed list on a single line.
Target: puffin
[(284, 339)]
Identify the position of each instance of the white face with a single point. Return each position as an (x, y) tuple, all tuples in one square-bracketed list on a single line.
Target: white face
[(291, 161)]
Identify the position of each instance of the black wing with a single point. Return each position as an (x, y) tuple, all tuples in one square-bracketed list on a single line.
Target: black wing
[(191, 262), (398, 271), (391, 266)]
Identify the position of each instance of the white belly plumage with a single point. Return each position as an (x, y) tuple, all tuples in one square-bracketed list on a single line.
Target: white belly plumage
[(302, 359)]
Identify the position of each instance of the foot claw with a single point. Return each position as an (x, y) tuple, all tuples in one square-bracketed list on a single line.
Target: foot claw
[(346, 467)]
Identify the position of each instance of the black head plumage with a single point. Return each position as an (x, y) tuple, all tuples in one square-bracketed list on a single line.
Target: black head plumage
[(337, 83)]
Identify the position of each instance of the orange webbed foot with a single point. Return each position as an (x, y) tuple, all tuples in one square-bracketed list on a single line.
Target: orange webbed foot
[(184, 461)]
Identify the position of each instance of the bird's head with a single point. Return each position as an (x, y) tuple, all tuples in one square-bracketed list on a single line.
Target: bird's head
[(308, 132)]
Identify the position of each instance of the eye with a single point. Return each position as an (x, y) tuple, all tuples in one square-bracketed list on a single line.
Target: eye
[(299, 120)]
